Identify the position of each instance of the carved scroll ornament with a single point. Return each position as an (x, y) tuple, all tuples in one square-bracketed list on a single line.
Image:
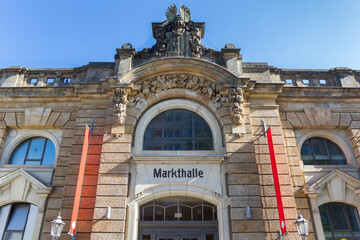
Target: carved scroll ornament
[(120, 101), (237, 108)]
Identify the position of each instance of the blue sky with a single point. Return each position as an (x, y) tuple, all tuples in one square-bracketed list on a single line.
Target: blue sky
[(284, 33)]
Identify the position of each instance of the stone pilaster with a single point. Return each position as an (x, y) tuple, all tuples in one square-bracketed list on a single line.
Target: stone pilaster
[(243, 185), (112, 184)]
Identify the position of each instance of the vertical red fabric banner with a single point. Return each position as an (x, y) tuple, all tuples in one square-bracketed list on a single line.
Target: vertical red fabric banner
[(79, 184), (276, 182)]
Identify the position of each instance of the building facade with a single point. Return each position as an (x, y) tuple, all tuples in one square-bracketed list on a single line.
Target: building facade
[(178, 149)]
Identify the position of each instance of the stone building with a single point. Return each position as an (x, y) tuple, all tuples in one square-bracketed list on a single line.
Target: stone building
[(178, 149)]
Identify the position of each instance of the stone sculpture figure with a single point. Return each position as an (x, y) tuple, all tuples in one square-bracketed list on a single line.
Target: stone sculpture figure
[(178, 36)]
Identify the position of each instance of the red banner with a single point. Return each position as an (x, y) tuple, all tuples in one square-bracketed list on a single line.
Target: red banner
[(276, 183), (79, 184)]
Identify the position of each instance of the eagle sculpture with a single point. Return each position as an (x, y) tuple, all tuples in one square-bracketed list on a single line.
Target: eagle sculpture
[(171, 13)]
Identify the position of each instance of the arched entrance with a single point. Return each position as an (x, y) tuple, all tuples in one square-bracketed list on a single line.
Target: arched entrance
[(178, 218)]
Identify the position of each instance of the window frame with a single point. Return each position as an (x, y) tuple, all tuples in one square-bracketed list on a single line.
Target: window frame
[(218, 139), (25, 160), (201, 203), (326, 143), (181, 139), (12, 206), (17, 136), (346, 213), (333, 135)]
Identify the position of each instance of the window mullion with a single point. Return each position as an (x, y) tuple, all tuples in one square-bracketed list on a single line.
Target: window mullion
[(42, 155), (27, 151), (347, 218), (27, 217), (327, 149), (329, 218), (312, 150)]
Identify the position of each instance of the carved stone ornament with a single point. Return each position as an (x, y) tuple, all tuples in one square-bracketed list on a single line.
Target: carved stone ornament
[(197, 84), (237, 108), (178, 36), (120, 101), (137, 101)]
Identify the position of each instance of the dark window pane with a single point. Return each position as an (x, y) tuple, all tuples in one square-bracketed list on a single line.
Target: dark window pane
[(170, 213), (187, 133), (19, 153), (185, 213), (306, 153), (197, 213), (210, 237), (18, 217), (319, 149), (159, 213), (325, 221), (337, 217), (148, 134), (148, 213), (146, 237), (13, 235), (208, 213), (36, 148), (353, 217), (49, 154)]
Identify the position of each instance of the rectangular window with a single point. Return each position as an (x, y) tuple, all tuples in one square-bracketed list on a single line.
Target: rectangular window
[(322, 82), (289, 81), (50, 80), (33, 80), (306, 81), (66, 80)]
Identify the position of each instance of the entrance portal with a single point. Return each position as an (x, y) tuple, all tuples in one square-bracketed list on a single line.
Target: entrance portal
[(178, 218)]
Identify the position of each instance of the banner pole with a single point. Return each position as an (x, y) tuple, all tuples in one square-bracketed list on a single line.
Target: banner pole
[(268, 134)]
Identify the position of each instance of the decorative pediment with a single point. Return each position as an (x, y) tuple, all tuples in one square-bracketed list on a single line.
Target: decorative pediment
[(21, 186), (335, 186)]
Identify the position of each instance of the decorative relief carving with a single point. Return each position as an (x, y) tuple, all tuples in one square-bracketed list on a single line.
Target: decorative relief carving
[(219, 100), (237, 108), (120, 101), (137, 101), (171, 81), (197, 84)]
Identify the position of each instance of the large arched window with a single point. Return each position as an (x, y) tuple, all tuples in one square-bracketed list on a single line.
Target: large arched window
[(340, 221), (178, 209), (34, 151), (321, 151), (178, 129)]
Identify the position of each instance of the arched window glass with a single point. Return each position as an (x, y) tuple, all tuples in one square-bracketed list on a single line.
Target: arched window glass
[(339, 221), (34, 151), (16, 222), (178, 209), (321, 151), (178, 129)]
